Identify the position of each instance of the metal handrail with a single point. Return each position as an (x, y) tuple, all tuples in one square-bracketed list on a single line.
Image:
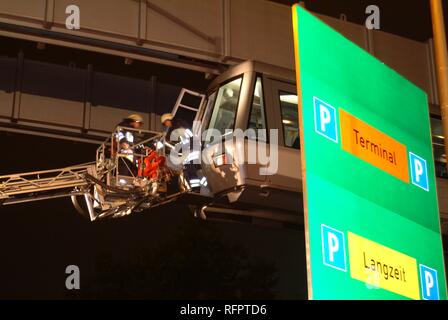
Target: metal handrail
[(115, 155)]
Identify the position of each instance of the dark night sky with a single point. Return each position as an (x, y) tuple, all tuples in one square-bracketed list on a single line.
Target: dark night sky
[(407, 18)]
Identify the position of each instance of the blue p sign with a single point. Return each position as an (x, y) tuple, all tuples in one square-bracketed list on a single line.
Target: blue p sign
[(419, 171), (325, 122), (430, 286), (333, 248)]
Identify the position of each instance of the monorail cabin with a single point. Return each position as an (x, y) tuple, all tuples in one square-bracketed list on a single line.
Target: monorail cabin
[(255, 98)]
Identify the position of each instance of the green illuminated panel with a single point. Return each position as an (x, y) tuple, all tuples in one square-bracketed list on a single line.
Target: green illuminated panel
[(371, 203)]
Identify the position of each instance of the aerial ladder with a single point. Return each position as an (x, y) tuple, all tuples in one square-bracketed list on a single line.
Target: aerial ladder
[(107, 187), (110, 186), (42, 185)]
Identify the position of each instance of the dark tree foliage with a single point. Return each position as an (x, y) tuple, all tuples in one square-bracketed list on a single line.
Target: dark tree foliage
[(195, 264)]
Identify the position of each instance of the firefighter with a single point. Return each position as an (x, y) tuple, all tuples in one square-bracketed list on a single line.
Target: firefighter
[(167, 122), (126, 137), (184, 133), (185, 163), (133, 121)]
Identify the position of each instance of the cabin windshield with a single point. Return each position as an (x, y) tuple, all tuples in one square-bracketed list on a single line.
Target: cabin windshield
[(225, 107)]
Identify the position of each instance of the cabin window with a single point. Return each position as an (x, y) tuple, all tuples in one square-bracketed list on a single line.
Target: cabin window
[(208, 110), (438, 147), (290, 119), (224, 111), (257, 118)]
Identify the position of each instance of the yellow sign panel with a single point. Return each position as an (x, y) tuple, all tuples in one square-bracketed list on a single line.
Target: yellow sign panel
[(373, 146), (381, 267)]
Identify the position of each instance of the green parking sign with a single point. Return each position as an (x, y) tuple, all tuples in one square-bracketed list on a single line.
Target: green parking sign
[(371, 212)]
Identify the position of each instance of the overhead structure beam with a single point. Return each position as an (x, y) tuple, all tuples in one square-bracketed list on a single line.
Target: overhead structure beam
[(109, 47)]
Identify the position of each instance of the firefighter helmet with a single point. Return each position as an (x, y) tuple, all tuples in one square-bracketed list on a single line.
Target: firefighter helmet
[(166, 117), (135, 117)]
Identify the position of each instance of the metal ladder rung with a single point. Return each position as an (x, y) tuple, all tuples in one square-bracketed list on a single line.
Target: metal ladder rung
[(193, 93), (187, 107)]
